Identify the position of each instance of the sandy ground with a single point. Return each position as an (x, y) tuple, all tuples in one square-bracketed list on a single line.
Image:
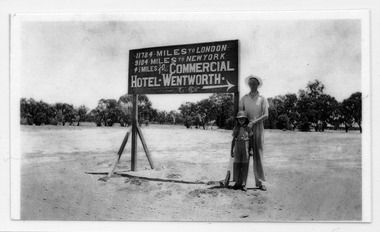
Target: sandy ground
[(310, 176)]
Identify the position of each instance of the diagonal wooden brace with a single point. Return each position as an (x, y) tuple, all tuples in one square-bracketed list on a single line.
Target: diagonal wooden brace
[(145, 146), (119, 153)]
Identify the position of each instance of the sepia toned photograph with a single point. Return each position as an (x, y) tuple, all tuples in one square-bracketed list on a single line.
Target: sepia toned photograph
[(191, 117)]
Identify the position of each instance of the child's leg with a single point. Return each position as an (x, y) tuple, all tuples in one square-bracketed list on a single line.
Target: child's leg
[(237, 162), (245, 168), (245, 163), (235, 172), (239, 178), (242, 165)]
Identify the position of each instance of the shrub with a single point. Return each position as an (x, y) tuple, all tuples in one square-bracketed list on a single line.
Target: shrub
[(304, 125), (53, 121), (283, 122), (24, 121)]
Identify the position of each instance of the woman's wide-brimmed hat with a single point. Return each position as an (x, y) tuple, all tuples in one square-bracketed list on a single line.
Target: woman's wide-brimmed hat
[(241, 114), (254, 77)]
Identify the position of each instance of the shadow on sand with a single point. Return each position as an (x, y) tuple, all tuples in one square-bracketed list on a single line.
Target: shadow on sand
[(105, 178)]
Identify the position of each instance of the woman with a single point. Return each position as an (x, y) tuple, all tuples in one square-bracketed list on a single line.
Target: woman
[(256, 108)]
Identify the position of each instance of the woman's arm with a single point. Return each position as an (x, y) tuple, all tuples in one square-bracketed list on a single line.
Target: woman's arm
[(263, 116), (260, 119)]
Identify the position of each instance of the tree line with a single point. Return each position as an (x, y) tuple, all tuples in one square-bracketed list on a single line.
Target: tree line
[(110, 111), (106, 113), (311, 108), (41, 113)]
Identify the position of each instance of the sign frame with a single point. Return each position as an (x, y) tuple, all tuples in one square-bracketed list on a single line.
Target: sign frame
[(210, 67)]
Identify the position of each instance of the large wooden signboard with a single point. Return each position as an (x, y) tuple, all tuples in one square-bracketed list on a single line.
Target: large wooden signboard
[(191, 68)]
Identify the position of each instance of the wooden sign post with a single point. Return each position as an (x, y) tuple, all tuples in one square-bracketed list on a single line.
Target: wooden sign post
[(236, 103), (134, 132), (137, 130)]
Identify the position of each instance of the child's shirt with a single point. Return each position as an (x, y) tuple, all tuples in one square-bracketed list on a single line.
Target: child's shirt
[(243, 134)]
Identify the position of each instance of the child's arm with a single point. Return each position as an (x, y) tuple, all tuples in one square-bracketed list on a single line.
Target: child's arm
[(232, 147)]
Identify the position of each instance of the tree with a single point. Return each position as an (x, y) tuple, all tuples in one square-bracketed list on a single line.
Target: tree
[(346, 115), (125, 105), (37, 113), (207, 111), (27, 110), (112, 112), (351, 109), (145, 107), (285, 105), (290, 109), (59, 117), (188, 111), (161, 117), (100, 112), (327, 110), (356, 99), (51, 114), (274, 110), (223, 109), (218, 107), (314, 89), (308, 105), (145, 111), (187, 108), (173, 117), (283, 122), (82, 111), (107, 112), (125, 117), (336, 116), (41, 113), (68, 113)]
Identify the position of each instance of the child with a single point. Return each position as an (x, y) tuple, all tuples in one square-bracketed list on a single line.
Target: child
[(239, 150)]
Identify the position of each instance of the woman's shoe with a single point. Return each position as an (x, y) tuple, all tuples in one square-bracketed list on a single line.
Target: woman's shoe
[(263, 188)]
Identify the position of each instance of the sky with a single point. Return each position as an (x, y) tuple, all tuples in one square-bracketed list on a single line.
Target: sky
[(81, 61)]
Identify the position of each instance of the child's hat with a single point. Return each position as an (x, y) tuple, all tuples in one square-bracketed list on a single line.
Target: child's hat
[(241, 114), (254, 77)]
